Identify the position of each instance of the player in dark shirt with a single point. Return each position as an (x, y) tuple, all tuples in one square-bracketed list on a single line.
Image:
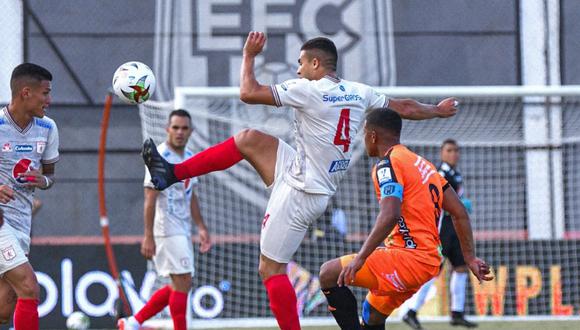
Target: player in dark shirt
[(451, 248)]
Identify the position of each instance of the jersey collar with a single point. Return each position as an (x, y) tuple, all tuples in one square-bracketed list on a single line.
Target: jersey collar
[(332, 78), (13, 123)]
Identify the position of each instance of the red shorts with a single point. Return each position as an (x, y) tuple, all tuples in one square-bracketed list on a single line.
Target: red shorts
[(392, 276)]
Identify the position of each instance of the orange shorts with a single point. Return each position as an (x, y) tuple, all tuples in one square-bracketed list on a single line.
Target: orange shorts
[(392, 276)]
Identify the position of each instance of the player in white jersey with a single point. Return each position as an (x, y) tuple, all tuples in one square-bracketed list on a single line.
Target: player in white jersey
[(167, 239), (329, 112), (29, 151)]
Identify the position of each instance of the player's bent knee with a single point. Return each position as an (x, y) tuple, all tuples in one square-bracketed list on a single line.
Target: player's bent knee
[(329, 272), (252, 138), (28, 289)]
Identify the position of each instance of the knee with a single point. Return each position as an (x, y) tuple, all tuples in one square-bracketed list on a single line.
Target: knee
[(246, 135), (181, 283), (327, 275), (250, 137), (28, 289)]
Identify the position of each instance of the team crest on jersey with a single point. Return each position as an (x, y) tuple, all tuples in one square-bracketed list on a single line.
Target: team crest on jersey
[(8, 253), (7, 147), (40, 147)]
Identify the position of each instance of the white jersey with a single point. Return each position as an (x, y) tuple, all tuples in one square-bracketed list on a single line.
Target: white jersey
[(24, 149), (328, 115), (172, 209)]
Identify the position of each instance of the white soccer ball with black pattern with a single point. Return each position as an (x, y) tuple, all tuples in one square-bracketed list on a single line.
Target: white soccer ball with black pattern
[(78, 321), (134, 82)]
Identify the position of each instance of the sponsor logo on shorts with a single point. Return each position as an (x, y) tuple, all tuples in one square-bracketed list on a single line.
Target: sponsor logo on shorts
[(395, 280), (7, 147), (23, 148), (8, 253), (339, 165), (184, 262)]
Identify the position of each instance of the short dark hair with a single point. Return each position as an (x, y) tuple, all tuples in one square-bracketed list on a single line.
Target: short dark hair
[(179, 113), (449, 141), (385, 118), (28, 71), (326, 47)]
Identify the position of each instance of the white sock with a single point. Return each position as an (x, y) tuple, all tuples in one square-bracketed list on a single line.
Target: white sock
[(132, 320), (417, 301), (457, 285)]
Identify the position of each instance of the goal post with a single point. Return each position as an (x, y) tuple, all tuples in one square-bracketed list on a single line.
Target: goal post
[(520, 160)]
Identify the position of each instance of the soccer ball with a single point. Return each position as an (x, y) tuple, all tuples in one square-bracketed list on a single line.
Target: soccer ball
[(77, 321), (134, 82)]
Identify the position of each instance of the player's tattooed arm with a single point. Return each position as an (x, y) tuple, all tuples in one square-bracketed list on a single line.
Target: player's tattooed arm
[(251, 91), (413, 110), (462, 224)]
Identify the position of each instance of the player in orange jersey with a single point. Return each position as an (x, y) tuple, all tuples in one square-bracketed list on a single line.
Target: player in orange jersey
[(411, 196)]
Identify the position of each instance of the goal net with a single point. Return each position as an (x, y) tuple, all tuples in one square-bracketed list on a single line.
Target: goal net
[(520, 164)]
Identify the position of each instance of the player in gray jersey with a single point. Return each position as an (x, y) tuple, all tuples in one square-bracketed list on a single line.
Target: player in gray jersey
[(329, 111), (28, 153)]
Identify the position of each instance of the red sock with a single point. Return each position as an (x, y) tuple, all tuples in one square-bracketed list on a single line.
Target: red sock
[(26, 314), (177, 307), (156, 303), (283, 301), (215, 158)]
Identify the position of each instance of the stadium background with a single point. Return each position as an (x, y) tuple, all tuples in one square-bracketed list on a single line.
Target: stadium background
[(435, 43)]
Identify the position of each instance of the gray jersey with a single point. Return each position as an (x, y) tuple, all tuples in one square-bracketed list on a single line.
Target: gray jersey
[(172, 209), (21, 150), (329, 113)]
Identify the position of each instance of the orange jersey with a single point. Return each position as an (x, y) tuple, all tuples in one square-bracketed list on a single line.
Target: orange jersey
[(415, 181)]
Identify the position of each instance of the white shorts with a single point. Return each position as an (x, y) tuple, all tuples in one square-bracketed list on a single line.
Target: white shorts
[(173, 255), (14, 245), (289, 212)]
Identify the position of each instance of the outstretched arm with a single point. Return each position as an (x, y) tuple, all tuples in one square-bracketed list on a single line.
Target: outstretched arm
[(389, 214), (462, 224), (251, 91), (413, 110)]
